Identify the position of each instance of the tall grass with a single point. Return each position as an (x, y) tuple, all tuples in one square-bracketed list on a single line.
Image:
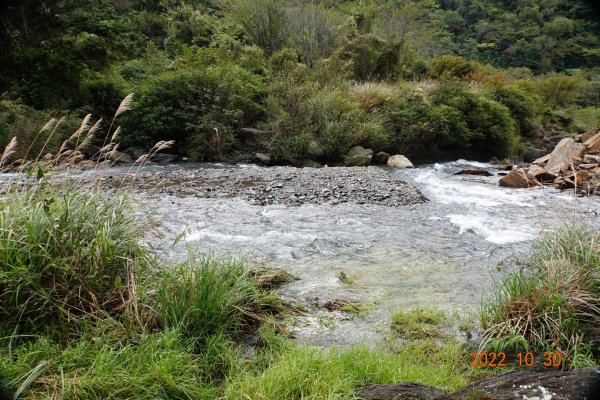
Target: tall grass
[(554, 303), (65, 254)]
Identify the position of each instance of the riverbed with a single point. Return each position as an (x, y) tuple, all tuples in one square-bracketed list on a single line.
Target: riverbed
[(444, 252)]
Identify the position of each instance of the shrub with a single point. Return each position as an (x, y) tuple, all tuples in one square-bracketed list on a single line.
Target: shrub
[(492, 130), (559, 90), (25, 123), (554, 302), (453, 67), (447, 119), (64, 256), (372, 58), (198, 108), (101, 92), (522, 107), (329, 115)]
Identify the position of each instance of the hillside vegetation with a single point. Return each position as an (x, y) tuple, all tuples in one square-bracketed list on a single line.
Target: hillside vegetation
[(429, 79)]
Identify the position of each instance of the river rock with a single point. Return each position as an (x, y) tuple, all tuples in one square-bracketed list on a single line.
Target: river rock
[(261, 158), (399, 161), (165, 158), (593, 144), (358, 156), (519, 179), (381, 158), (477, 172), (587, 136), (119, 157), (135, 152), (542, 160), (579, 384), (399, 391), (565, 153), (591, 159), (315, 150), (533, 153)]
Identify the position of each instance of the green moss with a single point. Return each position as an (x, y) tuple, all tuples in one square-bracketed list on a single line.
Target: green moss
[(420, 322)]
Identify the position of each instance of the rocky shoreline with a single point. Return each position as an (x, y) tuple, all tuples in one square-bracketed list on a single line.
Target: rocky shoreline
[(279, 185)]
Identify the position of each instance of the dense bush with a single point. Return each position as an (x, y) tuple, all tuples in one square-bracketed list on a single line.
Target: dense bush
[(448, 119), (198, 108)]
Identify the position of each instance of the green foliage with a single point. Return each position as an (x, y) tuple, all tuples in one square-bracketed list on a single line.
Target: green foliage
[(198, 108), (25, 123), (64, 256), (522, 106), (202, 69), (554, 303), (559, 90), (420, 322), (305, 372), (264, 21), (448, 118), (453, 67), (160, 365)]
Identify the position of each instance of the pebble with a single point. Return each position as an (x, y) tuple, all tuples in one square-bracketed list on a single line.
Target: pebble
[(263, 186)]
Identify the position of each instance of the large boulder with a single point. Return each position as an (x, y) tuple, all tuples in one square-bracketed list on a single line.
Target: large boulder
[(566, 152), (261, 158), (165, 158), (315, 150), (250, 136), (358, 156), (118, 157), (399, 161), (399, 391), (519, 178), (381, 157), (579, 384)]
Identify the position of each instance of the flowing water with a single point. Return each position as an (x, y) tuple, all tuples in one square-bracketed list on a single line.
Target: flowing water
[(445, 252)]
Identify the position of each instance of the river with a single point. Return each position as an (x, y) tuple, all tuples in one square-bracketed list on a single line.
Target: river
[(446, 252)]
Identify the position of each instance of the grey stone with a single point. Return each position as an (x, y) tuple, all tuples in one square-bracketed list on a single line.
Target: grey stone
[(165, 158), (381, 158), (399, 161), (565, 153), (261, 158), (250, 136), (315, 150), (578, 384), (358, 156), (399, 391), (118, 157), (533, 153)]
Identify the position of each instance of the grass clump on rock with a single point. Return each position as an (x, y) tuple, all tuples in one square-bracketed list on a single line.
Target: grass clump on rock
[(553, 304), (420, 323)]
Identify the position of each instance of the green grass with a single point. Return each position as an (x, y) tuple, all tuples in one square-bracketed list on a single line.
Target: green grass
[(310, 373), (420, 323), (553, 304), (65, 254), (161, 365)]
